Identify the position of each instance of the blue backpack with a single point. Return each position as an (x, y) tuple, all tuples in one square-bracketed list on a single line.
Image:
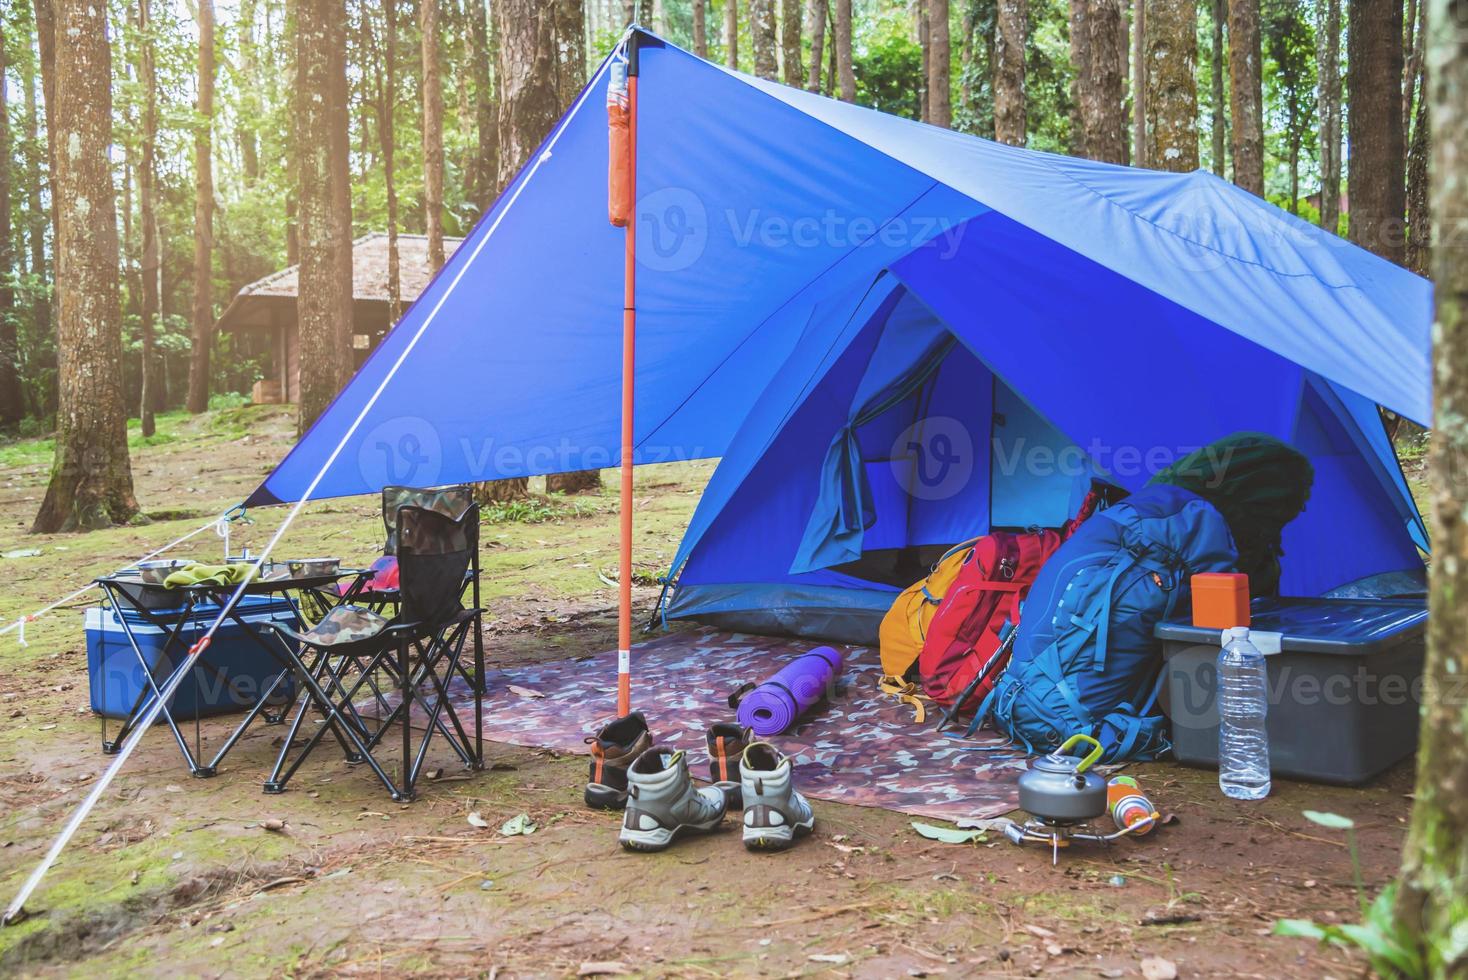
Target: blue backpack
[(1084, 659)]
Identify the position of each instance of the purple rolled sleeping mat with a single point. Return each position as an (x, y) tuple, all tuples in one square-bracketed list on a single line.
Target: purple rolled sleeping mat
[(772, 707)]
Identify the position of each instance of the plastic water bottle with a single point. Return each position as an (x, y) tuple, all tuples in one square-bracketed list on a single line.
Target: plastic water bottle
[(1243, 741)]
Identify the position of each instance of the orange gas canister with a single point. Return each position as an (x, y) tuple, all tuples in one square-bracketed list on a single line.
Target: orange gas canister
[(1220, 600)]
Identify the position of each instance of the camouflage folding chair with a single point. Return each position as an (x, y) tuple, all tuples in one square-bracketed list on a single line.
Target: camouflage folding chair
[(419, 651)]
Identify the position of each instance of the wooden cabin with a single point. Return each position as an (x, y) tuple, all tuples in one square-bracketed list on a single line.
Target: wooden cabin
[(262, 315)]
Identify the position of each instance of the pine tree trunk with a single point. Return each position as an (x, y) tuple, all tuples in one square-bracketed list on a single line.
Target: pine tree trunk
[(47, 312), (203, 304), (701, 28), (1172, 94), (432, 90), (485, 125), (845, 73), (251, 94), (920, 29), (1103, 91), (1219, 127), (339, 94), (91, 477), (150, 266), (790, 49), (1012, 29), (1245, 95), (731, 34), (385, 131), (1139, 84), (762, 34), (1429, 907), (12, 404), (940, 65), (966, 67), (1329, 67), (1377, 164), (570, 47), (1080, 62), (321, 305), (815, 26), (1419, 151)]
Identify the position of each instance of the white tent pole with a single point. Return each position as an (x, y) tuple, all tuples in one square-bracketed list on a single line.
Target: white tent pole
[(13, 912)]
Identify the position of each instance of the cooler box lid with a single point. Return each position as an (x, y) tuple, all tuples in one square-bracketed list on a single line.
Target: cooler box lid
[(1354, 627)]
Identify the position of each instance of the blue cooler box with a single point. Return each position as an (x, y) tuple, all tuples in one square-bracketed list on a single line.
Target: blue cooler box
[(231, 676), (1345, 685)]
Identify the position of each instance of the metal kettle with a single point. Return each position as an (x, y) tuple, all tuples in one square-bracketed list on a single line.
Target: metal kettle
[(1059, 788)]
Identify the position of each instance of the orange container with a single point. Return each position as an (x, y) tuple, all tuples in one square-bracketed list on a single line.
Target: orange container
[(1220, 600)]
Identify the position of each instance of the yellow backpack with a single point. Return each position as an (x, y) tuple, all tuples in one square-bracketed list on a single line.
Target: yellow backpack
[(906, 626)]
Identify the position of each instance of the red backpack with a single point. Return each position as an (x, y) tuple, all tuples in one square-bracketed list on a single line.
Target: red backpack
[(963, 640)]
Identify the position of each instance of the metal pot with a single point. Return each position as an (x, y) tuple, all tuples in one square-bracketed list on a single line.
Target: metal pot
[(313, 567), (1059, 789), (154, 572)]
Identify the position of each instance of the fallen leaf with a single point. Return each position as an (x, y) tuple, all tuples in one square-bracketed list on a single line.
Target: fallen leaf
[(1157, 968), (475, 820), (602, 968), (518, 825), (835, 959), (524, 692), (1039, 931), (947, 834)]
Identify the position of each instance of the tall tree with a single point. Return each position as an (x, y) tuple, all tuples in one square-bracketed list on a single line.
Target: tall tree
[(46, 311), (1245, 97), (323, 306), (203, 307), (940, 61), (1377, 164), (1011, 31), (1328, 40), (1172, 92), (386, 110), (845, 73), (1419, 150), (790, 49), (1430, 897), (731, 33), (432, 91), (251, 91), (1218, 129), (815, 26), (91, 476), (762, 34), (1103, 88), (1080, 61), (12, 404), (150, 264), (1139, 83), (701, 28)]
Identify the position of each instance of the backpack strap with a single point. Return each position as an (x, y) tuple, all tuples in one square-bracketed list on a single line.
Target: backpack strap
[(908, 693)]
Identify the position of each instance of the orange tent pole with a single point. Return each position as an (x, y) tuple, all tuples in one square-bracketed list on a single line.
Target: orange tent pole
[(629, 351)]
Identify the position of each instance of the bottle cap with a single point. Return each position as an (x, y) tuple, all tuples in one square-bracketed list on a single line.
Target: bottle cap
[(1236, 633)]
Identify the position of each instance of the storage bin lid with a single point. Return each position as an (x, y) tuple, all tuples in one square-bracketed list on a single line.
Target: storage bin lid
[(1356, 627)]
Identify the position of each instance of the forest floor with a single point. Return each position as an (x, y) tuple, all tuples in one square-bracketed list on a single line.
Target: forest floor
[(174, 876)]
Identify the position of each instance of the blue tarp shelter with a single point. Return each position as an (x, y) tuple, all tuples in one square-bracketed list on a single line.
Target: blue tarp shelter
[(895, 336)]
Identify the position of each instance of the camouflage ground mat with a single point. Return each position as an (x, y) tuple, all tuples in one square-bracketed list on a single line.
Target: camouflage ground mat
[(858, 747)]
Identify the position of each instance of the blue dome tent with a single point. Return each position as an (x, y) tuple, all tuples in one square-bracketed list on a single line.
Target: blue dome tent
[(894, 336)]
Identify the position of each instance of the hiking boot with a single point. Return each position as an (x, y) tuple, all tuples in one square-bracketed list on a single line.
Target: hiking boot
[(726, 744), (664, 802), (774, 813), (612, 751)]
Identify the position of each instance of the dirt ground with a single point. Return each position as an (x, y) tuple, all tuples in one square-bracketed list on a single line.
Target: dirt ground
[(177, 876)]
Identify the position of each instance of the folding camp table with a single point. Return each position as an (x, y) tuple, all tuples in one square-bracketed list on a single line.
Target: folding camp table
[(170, 611)]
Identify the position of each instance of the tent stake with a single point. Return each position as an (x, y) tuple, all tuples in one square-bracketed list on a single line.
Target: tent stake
[(629, 374)]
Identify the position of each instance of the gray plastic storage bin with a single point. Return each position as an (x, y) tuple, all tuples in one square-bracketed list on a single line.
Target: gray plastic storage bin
[(1345, 685)]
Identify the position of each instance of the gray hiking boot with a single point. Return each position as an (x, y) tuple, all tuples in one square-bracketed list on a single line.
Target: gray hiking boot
[(663, 802), (774, 813)]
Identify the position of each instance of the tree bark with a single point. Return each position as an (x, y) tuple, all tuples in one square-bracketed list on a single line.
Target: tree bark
[(203, 304), (150, 264), (1172, 94), (485, 124), (1103, 89), (1219, 127), (1139, 84), (940, 64), (1080, 63), (1328, 45), (91, 482), (432, 90), (762, 34), (1245, 95), (731, 34), (1011, 32), (385, 129), (1429, 906), (815, 26), (251, 94), (845, 73), (12, 404), (1377, 163), (701, 28), (792, 71), (322, 308), (1419, 151), (47, 311), (570, 52)]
